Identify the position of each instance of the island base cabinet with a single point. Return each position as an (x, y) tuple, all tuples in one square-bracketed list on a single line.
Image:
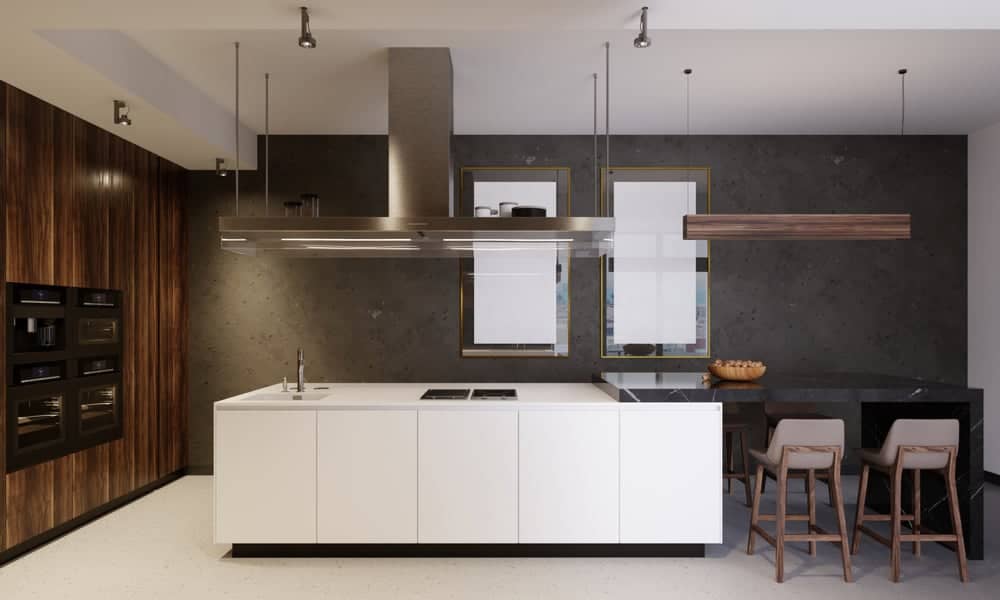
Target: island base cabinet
[(671, 474), (568, 476), (265, 476), (367, 476), (467, 476)]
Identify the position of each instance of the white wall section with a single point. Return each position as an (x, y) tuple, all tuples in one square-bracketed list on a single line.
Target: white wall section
[(984, 282)]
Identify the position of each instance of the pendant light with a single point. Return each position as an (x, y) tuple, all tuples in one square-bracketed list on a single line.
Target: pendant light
[(220, 167), (746, 227), (306, 39)]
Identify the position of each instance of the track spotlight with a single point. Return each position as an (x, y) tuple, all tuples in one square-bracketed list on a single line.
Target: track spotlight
[(220, 167), (642, 41), (121, 114), (306, 39)]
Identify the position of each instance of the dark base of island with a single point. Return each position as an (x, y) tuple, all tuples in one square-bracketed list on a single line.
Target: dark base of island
[(465, 550)]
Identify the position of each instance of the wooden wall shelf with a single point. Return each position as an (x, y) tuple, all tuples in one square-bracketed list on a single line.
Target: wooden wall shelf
[(797, 227)]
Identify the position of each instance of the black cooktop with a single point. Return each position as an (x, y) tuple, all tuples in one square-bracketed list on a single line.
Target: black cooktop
[(446, 394), (498, 394)]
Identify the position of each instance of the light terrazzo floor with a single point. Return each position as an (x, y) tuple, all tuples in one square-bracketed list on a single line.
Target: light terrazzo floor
[(161, 547)]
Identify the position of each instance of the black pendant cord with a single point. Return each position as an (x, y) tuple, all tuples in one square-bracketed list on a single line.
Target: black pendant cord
[(597, 168), (902, 101), (687, 123), (237, 123)]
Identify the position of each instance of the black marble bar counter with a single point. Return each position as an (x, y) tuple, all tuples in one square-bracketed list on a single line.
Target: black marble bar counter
[(868, 404)]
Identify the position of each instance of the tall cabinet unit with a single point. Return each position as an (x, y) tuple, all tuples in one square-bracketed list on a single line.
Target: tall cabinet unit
[(81, 208)]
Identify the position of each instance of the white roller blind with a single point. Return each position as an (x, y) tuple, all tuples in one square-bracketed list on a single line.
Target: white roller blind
[(515, 289), (655, 269)]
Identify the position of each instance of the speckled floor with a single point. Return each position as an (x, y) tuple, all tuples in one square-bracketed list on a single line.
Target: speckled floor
[(161, 547)]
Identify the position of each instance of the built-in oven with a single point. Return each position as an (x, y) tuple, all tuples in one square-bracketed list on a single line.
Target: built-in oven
[(36, 426), (98, 412), (94, 331), (63, 371)]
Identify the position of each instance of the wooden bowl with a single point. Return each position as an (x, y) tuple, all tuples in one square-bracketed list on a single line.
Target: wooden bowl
[(737, 373)]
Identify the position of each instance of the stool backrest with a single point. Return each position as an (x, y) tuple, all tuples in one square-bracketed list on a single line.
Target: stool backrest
[(920, 432), (807, 432)]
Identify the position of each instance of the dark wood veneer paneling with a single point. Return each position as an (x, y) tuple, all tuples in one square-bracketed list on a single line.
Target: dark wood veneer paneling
[(30, 502), (29, 188), (172, 331), (81, 207), (146, 315), (3, 307)]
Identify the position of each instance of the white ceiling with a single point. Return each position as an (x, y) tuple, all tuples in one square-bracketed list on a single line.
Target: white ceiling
[(524, 66), (763, 82)]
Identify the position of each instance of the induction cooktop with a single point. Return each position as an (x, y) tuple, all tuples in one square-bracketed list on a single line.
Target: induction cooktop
[(495, 394), (446, 394)]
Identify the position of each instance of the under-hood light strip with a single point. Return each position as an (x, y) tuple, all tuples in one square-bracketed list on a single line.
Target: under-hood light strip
[(357, 248), (327, 239), (514, 240), (499, 249)]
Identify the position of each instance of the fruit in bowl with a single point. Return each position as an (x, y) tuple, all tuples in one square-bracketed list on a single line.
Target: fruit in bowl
[(737, 370)]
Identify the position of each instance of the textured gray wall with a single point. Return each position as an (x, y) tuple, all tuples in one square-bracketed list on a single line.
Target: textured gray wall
[(888, 307)]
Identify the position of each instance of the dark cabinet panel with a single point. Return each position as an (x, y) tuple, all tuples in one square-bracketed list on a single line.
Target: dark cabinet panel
[(172, 330), (146, 314), (30, 502), (28, 188)]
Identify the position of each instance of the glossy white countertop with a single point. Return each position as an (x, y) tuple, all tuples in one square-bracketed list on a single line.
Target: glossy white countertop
[(333, 396)]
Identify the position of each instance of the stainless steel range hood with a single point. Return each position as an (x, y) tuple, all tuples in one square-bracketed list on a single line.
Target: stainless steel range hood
[(421, 221)]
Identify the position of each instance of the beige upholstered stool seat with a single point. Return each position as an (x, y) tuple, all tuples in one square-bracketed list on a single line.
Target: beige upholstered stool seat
[(915, 432)]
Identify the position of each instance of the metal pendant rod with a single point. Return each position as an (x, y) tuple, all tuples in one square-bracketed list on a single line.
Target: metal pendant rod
[(237, 178), (597, 169), (607, 121), (267, 143)]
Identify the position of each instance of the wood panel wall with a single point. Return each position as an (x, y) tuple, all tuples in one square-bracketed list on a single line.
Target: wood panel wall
[(82, 207)]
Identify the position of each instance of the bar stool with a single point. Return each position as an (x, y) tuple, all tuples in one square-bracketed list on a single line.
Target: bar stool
[(773, 418), (731, 431), (803, 445), (912, 445)]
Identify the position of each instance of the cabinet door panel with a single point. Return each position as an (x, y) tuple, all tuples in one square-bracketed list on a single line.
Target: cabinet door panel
[(671, 474), (367, 476), (265, 476), (568, 484), (467, 476)]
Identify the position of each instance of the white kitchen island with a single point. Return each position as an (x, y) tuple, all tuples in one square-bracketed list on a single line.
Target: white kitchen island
[(370, 469)]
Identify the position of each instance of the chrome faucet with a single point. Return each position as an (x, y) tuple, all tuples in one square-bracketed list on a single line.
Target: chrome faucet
[(301, 382)]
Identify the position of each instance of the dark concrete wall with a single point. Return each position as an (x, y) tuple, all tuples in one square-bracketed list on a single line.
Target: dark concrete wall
[(887, 307)]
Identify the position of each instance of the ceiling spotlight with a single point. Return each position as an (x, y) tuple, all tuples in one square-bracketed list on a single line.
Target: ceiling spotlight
[(642, 41), (121, 113), (220, 167), (306, 39)]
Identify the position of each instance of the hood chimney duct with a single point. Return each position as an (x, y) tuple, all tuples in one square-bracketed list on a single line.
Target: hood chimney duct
[(420, 130)]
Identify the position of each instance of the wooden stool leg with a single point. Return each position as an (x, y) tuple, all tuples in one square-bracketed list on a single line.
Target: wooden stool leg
[(897, 512), (745, 452), (770, 434), (779, 521), (859, 511), (755, 510), (811, 504), (838, 503), (956, 520), (916, 510), (729, 461)]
